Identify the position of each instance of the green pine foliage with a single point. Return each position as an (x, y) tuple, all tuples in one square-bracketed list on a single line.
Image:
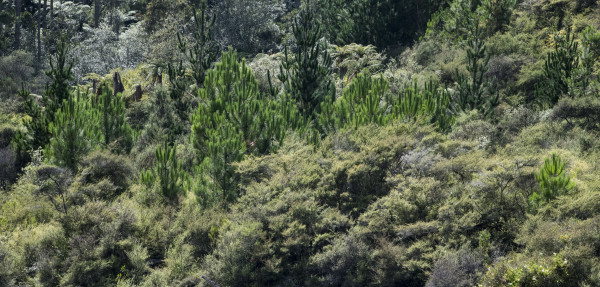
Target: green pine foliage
[(38, 133), (61, 75), (553, 181), (559, 66), (167, 173), (75, 132), (473, 90), (306, 74), (367, 101), (361, 104), (116, 132), (390, 163), (234, 120)]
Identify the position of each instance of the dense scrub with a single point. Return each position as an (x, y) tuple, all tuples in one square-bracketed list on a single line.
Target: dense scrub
[(323, 143)]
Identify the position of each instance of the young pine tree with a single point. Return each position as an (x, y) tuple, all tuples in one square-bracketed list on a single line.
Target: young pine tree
[(116, 132), (474, 89), (38, 133), (362, 103), (61, 75), (167, 172), (234, 119), (75, 132), (559, 66), (306, 75), (553, 181)]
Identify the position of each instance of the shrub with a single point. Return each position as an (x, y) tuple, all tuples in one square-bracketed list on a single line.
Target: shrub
[(99, 166), (459, 268), (584, 111)]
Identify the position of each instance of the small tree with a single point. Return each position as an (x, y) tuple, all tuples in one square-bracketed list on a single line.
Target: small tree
[(116, 132), (167, 172), (201, 53), (38, 133), (53, 182), (473, 89), (553, 181), (61, 75), (362, 103), (559, 66), (306, 76), (75, 132), (234, 119)]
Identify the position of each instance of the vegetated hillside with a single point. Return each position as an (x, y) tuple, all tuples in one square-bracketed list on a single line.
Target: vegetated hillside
[(299, 143)]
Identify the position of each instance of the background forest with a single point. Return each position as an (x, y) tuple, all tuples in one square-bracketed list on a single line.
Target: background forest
[(299, 143)]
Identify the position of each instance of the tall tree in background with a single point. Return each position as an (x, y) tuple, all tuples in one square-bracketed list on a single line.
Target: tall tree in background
[(44, 20), (200, 53), (97, 10), (17, 43), (61, 75), (117, 133), (39, 37), (306, 75)]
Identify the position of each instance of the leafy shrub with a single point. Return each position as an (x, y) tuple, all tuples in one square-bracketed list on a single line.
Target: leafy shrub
[(98, 239), (550, 272), (15, 69), (248, 26), (582, 111), (103, 165), (459, 268)]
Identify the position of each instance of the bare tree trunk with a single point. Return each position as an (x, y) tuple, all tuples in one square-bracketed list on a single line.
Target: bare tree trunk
[(17, 43), (39, 37), (45, 24), (97, 11), (51, 10), (1, 35)]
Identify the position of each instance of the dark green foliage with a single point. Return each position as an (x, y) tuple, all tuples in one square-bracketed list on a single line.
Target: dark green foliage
[(306, 75), (336, 19), (392, 180), (455, 22), (53, 182), (37, 132), (116, 132), (234, 120), (553, 181), (98, 167), (167, 173), (61, 75), (380, 23), (162, 120), (558, 68), (583, 111), (473, 90), (98, 242), (367, 101), (200, 55), (75, 131)]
